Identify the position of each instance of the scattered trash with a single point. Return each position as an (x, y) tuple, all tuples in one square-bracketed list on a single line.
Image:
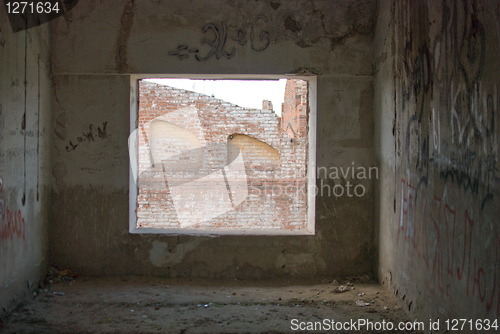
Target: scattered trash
[(335, 282), (55, 275), (341, 288), (372, 301), (361, 294), (386, 308), (361, 303), (350, 284), (58, 293)]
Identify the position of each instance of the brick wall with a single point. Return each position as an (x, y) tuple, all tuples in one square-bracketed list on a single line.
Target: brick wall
[(294, 110), (208, 164)]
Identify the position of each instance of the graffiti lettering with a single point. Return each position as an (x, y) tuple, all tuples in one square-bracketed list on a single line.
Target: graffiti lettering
[(264, 36), (13, 226), (89, 136), (218, 42), (11, 222), (216, 37), (450, 257)]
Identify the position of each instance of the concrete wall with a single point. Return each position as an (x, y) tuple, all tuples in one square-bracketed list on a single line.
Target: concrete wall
[(99, 44), (437, 121), (25, 95)]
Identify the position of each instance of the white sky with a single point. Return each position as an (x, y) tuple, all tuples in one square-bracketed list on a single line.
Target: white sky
[(245, 93)]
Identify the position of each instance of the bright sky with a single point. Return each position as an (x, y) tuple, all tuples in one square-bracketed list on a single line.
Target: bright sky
[(245, 93)]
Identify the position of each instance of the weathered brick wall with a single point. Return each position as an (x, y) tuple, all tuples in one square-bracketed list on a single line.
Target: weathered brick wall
[(188, 135), (295, 106)]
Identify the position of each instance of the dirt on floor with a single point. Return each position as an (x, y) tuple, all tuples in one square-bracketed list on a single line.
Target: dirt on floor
[(157, 305)]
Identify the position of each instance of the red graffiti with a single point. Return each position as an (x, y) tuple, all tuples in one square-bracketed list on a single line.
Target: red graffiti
[(414, 226), (445, 243), (12, 226), (11, 222)]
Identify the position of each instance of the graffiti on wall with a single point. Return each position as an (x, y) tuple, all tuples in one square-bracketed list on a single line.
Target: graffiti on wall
[(443, 238), (447, 116), (12, 223), (441, 91), (216, 35), (88, 135)]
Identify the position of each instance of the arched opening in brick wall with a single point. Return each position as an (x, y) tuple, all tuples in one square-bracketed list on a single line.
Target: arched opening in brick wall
[(201, 164)]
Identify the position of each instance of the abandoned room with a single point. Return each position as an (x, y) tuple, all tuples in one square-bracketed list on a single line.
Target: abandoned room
[(365, 198)]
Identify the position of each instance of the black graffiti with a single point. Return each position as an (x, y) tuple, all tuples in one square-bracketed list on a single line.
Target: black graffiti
[(263, 36), (217, 43), (88, 135), (216, 37), (472, 49), (240, 37), (183, 52), (442, 85)]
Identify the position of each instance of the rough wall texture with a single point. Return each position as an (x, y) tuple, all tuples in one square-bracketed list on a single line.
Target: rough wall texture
[(187, 138), (24, 120), (294, 110), (437, 119), (99, 44)]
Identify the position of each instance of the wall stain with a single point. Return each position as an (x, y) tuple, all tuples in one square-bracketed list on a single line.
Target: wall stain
[(126, 22)]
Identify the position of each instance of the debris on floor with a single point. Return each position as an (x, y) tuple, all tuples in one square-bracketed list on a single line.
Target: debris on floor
[(361, 303), (156, 305), (55, 275), (342, 288)]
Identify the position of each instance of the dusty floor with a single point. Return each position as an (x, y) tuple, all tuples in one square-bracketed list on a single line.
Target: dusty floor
[(155, 305)]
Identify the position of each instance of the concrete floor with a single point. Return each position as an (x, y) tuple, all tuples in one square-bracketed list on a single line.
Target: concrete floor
[(157, 305)]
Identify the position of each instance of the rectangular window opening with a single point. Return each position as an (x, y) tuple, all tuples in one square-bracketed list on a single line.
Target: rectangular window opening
[(222, 156)]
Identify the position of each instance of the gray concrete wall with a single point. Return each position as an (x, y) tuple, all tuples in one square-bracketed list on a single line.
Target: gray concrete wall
[(437, 140), (25, 96), (99, 44)]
